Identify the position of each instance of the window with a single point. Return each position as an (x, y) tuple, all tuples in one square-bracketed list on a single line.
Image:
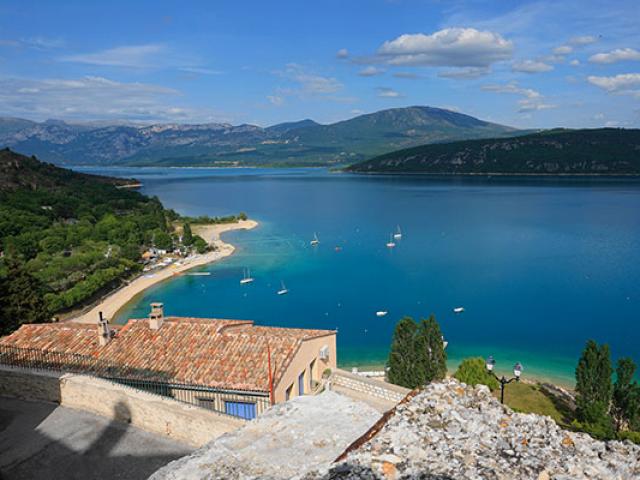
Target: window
[(311, 367), (287, 394), (246, 410), (301, 384)]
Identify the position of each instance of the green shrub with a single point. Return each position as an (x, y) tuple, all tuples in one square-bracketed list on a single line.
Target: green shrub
[(632, 436), (472, 371)]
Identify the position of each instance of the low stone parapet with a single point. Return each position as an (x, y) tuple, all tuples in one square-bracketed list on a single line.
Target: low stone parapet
[(368, 386)]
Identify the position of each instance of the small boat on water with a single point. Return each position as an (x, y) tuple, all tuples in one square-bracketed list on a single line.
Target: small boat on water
[(458, 310), (247, 278), (284, 290), (391, 243), (381, 313), (198, 274), (315, 240), (398, 234)]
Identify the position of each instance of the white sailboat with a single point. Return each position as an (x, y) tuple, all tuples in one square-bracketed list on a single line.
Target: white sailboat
[(391, 243), (398, 234), (284, 290), (315, 240), (247, 278)]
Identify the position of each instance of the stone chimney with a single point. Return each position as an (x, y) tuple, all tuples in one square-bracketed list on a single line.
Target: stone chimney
[(156, 317), (104, 332)]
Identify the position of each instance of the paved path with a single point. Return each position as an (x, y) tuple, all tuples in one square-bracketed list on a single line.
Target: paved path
[(41, 440)]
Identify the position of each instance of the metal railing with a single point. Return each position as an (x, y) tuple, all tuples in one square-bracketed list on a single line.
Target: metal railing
[(235, 403)]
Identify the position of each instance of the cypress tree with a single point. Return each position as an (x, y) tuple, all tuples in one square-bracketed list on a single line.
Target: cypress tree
[(402, 363), (625, 407), (431, 357), (187, 236), (593, 384)]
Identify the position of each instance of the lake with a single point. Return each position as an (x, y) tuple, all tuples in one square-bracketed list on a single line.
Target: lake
[(539, 265)]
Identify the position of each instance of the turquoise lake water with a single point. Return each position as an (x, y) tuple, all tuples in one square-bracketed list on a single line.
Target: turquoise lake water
[(539, 265)]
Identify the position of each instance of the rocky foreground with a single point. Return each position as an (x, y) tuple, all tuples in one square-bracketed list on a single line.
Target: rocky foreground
[(447, 431), (452, 431)]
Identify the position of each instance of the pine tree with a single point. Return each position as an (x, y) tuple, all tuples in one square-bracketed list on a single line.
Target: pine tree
[(21, 299), (187, 236), (593, 384), (625, 407), (431, 357), (402, 364)]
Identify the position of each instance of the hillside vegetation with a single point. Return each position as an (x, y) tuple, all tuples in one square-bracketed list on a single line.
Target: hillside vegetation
[(303, 143), (605, 151)]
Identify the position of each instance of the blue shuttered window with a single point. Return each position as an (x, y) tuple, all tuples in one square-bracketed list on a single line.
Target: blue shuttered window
[(246, 410)]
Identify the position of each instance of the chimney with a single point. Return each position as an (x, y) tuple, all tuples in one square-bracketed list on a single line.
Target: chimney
[(104, 332), (156, 317)]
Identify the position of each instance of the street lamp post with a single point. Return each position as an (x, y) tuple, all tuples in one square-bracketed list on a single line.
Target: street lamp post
[(517, 371)]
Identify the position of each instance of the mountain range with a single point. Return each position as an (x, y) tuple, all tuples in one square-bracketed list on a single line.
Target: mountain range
[(304, 143), (603, 151)]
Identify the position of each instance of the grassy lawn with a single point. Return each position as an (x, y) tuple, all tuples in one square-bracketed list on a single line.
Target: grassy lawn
[(527, 398)]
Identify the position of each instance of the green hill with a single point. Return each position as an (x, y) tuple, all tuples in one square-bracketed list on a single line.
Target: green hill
[(605, 151), (76, 234)]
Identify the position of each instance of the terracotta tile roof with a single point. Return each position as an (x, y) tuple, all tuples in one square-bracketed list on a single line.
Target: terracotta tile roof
[(228, 354)]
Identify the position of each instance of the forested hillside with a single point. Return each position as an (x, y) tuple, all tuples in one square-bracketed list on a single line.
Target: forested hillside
[(605, 151), (75, 234)]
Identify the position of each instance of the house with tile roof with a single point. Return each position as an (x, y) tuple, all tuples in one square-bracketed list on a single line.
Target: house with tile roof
[(234, 363)]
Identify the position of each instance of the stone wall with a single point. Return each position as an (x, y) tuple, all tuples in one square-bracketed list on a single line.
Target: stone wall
[(19, 383), (368, 386), (185, 423)]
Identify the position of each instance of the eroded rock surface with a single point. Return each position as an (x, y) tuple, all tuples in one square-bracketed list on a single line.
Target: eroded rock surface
[(451, 431), (286, 442)]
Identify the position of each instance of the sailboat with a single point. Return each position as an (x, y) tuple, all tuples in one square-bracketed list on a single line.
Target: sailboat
[(284, 290), (398, 234), (391, 243), (247, 278), (315, 240)]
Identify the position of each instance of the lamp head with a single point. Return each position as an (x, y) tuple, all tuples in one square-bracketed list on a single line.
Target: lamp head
[(517, 370), (490, 363)]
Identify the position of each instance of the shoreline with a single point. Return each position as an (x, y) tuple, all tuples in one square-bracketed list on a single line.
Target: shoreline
[(115, 301)]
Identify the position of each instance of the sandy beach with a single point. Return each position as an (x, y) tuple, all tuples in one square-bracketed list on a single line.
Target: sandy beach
[(110, 305)]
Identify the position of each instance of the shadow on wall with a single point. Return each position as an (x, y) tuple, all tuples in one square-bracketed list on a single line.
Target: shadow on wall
[(40, 440)]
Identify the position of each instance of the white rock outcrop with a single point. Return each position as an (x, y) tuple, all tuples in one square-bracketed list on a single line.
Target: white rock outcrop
[(452, 431)]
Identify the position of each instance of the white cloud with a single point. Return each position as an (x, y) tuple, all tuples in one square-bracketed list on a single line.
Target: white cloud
[(617, 55), (574, 63), (532, 101), (371, 71), (531, 66), (465, 73), (386, 92), (450, 47), (315, 84), (563, 50), (623, 84), (276, 100), (132, 56), (583, 40), (36, 43), (342, 53), (95, 98), (200, 70)]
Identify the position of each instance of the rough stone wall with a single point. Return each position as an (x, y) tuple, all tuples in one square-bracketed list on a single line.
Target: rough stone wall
[(20, 383), (369, 386), (453, 431)]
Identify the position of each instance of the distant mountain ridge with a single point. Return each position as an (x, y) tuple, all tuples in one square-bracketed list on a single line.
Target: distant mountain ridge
[(604, 151), (220, 144)]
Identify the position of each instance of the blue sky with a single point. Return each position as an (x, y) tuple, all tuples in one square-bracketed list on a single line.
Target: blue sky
[(527, 64)]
